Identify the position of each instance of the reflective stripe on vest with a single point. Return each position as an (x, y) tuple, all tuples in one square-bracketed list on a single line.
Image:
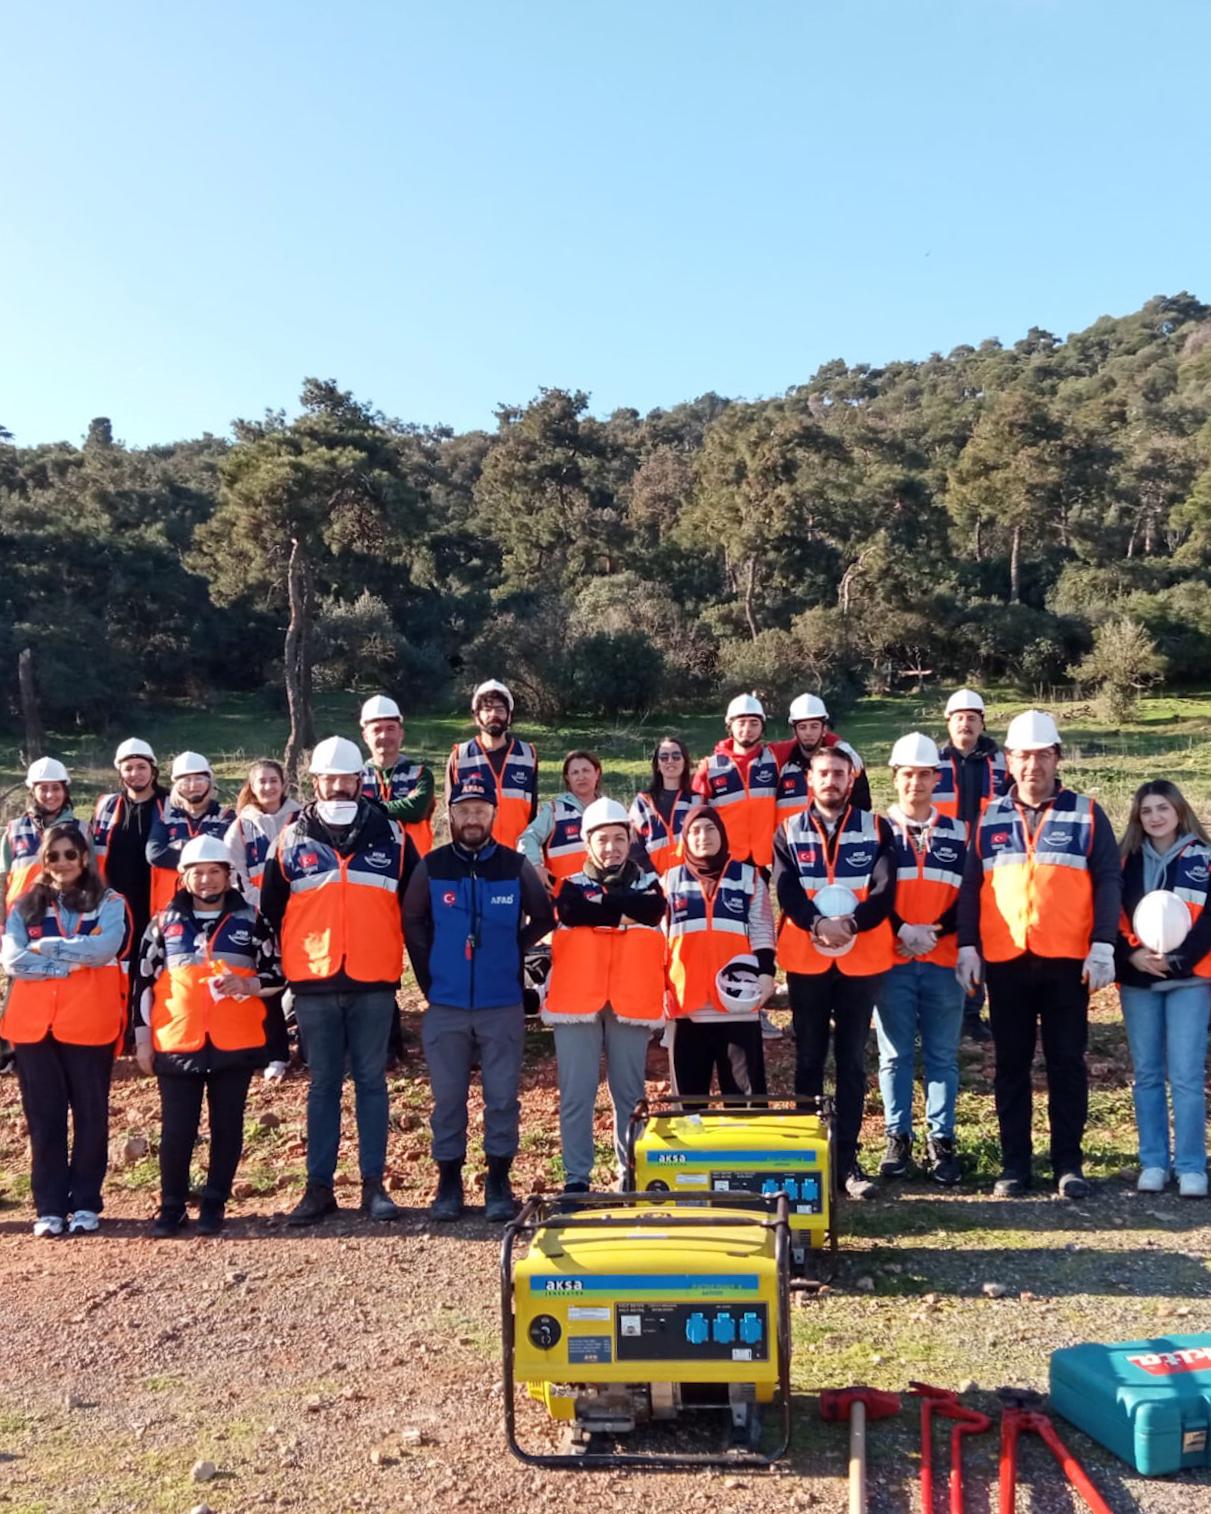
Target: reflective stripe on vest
[(400, 783), (343, 912), (705, 934), (747, 803), (993, 781), (515, 790), (927, 883), (664, 845), (619, 965), (180, 828), (1191, 876), (87, 1008), (794, 780), (856, 848), (564, 852), (1036, 895), (184, 1012), (24, 839)]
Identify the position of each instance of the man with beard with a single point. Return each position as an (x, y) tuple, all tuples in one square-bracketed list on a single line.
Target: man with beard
[(471, 911), (505, 766), (808, 718)]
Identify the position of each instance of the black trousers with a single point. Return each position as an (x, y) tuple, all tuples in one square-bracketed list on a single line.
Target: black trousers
[(833, 999), (56, 1078), (226, 1093), (730, 1051), (1025, 996)]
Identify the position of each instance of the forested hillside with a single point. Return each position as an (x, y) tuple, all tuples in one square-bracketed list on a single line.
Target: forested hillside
[(986, 514)]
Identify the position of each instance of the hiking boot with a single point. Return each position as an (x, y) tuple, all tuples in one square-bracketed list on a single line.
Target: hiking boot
[(1074, 1185), (943, 1161), (857, 1185), (1010, 1185), (499, 1204), (211, 1217), (448, 1200), (317, 1203), (83, 1222), (897, 1159), (48, 1227), (376, 1205), (170, 1220)]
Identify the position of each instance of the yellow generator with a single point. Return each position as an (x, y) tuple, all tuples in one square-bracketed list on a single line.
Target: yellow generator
[(622, 1311), (758, 1146)]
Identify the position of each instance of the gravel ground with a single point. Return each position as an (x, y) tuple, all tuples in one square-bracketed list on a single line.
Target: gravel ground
[(356, 1367)]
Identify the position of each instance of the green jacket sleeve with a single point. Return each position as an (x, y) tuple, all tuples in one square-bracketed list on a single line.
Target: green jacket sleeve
[(418, 805)]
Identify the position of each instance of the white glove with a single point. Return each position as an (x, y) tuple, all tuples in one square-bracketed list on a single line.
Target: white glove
[(969, 969), (1098, 970), (918, 940), (275, 1072)]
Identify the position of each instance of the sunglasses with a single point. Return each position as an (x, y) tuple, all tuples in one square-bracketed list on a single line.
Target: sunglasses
[(67, 854), (673, 756)]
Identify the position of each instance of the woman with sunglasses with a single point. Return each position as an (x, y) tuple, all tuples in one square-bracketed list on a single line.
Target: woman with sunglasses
[(66, 1012), (658, 812)]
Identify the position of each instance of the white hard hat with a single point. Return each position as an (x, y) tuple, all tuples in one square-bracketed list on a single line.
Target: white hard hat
[(744, 704), (807, 707), (46, 770), (492, 686), (203, 849), (916, 750), (603, 812), (964, 699), (835, 901), (336, 755), (1161, 921), (379, 707), (133, 747), (737, 984), (1032, 731), (185, 763)]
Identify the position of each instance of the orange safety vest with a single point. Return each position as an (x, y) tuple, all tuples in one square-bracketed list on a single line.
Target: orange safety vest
[(25, 834), (705, 933), (184, 1013), (747, 803), (399, 783), (619, 965), (663, 843), (343, 912), (927, 882), (564, 852), (181, 827), (856, 848), (1036, 895), (993, 783), (515, 791), (87, 1008), (1191, 877)]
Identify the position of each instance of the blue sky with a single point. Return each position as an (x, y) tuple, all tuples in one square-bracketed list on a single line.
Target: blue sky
[(445, 206)]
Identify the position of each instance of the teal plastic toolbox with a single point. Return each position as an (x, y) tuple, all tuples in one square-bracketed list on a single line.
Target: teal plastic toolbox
[(1147, 1401)]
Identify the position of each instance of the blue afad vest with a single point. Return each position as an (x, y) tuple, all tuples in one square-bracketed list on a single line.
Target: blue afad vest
[(475, 962)]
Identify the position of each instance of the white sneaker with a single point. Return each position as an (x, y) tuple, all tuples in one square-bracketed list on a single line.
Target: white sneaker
[(769, 1031), (275, 1072), (83, 1222), (47, 1226), (1152, 1180), (1192, 1185)]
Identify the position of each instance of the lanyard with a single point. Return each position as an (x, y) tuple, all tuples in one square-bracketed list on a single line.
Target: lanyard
[(830, 863)]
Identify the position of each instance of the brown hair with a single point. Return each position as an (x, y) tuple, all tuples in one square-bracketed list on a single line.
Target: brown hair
[(581, 756), (685, 786), (85, 894), (1188, 823), (246, 796)]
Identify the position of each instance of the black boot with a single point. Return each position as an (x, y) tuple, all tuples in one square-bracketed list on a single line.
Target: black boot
[(170, 1219), (448, 1200), (944, 1161), (376, 1204), (317, 1203), (210, 1217), (499, 1204)]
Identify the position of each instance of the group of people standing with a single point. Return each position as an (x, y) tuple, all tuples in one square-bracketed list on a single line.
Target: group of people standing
[(204, 927)]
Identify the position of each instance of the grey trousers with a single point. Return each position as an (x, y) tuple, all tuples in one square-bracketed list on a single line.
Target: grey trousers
[(453, 1039), (578, 1048)]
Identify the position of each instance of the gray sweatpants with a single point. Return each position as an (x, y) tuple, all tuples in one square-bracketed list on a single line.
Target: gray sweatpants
[(578, 1048), (453, 1039)]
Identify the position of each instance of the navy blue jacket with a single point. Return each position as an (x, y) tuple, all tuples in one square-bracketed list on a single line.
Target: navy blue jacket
[(469, 918)]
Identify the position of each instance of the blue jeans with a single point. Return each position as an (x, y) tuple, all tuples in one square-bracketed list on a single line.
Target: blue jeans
[(919, 998), (1167, 1033), (342, 1027)]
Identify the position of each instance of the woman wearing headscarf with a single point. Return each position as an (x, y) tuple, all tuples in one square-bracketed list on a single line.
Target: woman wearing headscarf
[(658, 813), (192, 809), (1166, 999), (719, 909), (65, 1016)]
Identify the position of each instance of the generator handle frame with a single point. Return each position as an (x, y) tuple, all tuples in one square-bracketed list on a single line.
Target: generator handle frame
[(537, 1211)]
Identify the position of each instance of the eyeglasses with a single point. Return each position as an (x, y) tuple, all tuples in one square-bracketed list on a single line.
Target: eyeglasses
[(67, 854), (671, 756)]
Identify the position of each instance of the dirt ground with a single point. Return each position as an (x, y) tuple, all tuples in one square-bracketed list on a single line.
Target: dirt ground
[(356, 1367)]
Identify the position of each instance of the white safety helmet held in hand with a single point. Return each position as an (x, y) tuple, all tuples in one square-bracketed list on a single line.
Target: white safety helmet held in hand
[(203, 849), (46, 770), (744, 704), (807, 707), (835, 902), (185, 763), (1032, 731), (964, 699), (916, 750), (1161, 921), (603, 812), (379, 707), (133, 747), (492, 686), (737, 984), (335, 755)]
